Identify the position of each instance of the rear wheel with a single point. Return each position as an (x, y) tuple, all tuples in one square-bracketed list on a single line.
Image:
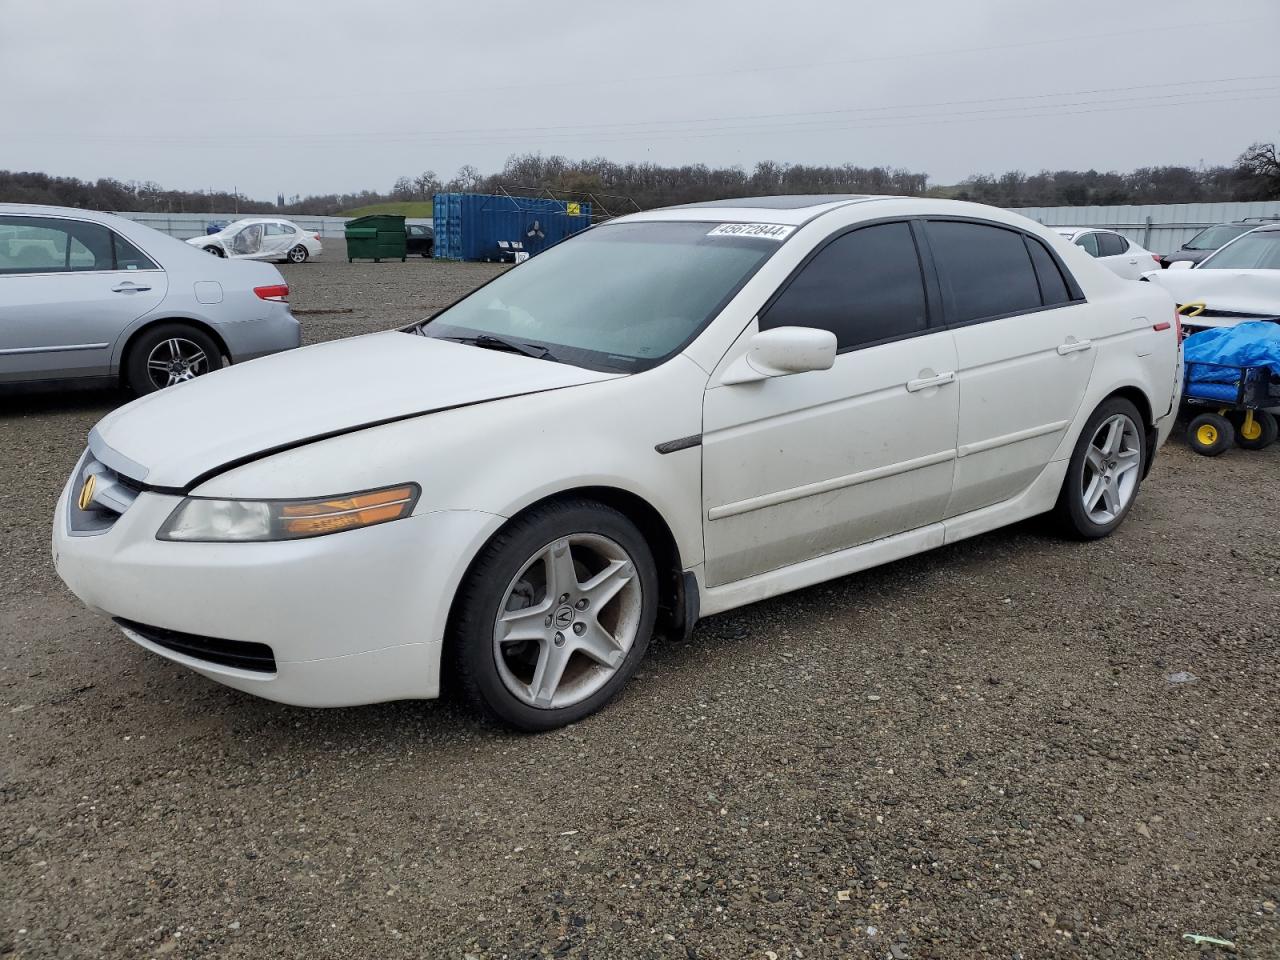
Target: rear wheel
[(168, 354), (216, 251), (555, 615), (1257, 432), (1105, 471), (298, 254), (1210, 434)]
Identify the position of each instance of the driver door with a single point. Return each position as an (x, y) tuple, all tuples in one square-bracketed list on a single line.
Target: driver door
[(799, 466)]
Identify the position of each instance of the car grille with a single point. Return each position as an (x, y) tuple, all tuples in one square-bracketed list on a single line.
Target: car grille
[(112, 494), (240, 654)]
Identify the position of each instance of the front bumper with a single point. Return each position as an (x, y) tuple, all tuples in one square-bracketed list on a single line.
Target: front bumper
[(351, 618)]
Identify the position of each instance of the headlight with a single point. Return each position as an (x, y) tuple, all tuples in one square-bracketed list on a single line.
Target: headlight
[(248, 521)]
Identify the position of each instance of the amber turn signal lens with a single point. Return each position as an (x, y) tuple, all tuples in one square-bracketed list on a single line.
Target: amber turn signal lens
[(346, 513)]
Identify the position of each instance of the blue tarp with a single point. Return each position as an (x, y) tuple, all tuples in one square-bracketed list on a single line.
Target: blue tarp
[(1252, 344)]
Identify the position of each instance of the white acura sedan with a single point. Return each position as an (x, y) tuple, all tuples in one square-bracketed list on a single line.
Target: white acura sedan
[(667, 416)]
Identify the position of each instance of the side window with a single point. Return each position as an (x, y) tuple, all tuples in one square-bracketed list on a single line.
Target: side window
[(129, 257), (1089, 242), (864, 286), (275, 230), (52, 245), (1111, 244), (985, 271), (1053, 288)]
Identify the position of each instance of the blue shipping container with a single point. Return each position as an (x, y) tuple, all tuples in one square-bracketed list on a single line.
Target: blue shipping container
[(477, 226)]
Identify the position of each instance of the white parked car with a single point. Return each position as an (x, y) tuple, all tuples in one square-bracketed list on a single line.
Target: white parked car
[(261, 238), (1239, 281), (1114, 251), (667, 416)]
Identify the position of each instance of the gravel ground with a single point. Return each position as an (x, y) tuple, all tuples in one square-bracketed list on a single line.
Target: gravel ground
[(975, 752)]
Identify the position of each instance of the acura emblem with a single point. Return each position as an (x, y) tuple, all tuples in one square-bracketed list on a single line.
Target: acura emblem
[(86, 492)]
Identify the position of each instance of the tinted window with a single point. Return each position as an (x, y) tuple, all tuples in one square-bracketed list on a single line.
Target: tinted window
[(129, 257), (863, 287), (1053, 288), (985, 271), (1111, 244), (1090, 244), (1214, 237), (48, 244)]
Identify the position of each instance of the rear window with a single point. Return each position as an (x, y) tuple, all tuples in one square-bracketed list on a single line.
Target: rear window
[(1053, 287), (985, 271)]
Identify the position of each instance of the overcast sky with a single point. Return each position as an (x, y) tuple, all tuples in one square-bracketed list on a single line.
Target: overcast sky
[(318, 96)]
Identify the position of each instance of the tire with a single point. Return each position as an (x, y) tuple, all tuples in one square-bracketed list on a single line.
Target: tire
[(174, 344), (298, 254), (1102, 482), (216, 251), (1210, 434), (497, 669), (1263, 434)]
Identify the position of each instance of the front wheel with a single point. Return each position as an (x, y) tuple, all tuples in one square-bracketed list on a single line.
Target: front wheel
[(298, 254), (554, 616), (168, 354), (1210, 434), (1104, 472), (216, 251)]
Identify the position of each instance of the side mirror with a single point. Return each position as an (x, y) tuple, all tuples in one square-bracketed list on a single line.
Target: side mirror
[(781, 352), (1181, 265)]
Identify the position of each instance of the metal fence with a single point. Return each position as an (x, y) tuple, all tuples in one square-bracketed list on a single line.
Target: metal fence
[(185, 225), (1160, 227)]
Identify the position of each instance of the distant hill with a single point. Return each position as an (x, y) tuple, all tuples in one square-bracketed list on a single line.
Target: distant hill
[(412, 209)]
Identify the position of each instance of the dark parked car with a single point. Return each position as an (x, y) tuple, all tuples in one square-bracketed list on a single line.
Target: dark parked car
[(421, 238), (1211, 238)]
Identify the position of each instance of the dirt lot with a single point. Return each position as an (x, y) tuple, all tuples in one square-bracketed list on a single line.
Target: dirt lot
[(976, 752)]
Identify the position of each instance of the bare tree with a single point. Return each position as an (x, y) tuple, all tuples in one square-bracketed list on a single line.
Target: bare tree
[(427, 184), (1260, 164)]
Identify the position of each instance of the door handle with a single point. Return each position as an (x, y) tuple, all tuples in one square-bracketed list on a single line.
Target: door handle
[(1074, 346), (127, 287), (924, 383)]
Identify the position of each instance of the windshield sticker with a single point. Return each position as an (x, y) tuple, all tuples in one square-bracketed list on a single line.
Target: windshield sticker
[(765, 231)]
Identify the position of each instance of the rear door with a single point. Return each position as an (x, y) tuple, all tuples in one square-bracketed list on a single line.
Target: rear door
[(68, 288), (277, 240), (1023, 353), (1113, 250)]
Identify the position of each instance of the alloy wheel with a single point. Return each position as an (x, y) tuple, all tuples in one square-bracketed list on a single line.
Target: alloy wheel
[(298, 254), (567, 621), (1111, 467), (175, 360)]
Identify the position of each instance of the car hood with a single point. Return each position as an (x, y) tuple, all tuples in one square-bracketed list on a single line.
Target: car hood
[(1227, 291), (181, 435)]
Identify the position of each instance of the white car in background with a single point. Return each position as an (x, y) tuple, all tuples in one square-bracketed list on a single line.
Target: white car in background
[(261, 238), (667, 416), (1239, 281), (1117, 253)]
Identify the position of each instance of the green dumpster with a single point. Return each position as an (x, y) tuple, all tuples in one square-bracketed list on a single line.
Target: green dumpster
[(377, 238)]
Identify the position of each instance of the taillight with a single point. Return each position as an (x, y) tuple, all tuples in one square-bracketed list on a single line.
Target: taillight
[(1154, 256), (279, 292), (317, 236)]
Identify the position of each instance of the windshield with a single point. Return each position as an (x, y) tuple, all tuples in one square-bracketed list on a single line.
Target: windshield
[(621, 296), (1258, 251), (1214, 237)]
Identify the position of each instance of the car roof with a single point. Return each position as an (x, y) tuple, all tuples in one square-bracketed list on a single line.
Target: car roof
[(794, 209), (36, 209)]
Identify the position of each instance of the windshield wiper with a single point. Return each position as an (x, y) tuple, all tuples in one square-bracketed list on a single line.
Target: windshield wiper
[(489, 342)]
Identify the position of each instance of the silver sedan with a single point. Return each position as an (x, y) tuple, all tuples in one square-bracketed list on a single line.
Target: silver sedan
[(88, 296)]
